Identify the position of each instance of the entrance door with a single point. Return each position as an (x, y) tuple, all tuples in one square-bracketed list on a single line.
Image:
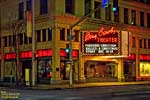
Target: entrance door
[(26, 65)]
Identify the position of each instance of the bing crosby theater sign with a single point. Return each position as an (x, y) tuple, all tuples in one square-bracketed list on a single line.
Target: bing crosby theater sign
[(100, 42)]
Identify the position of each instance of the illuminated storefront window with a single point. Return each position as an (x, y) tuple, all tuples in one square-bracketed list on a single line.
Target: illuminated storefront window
[(144, 69)]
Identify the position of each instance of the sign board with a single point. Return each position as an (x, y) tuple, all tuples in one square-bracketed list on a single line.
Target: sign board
[(101, 42)]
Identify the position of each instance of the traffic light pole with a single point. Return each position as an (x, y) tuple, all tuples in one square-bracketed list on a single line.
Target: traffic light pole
[(70, 41)]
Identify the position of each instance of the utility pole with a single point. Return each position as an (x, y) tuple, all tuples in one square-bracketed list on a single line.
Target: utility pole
[(33, 46), (70, 42)]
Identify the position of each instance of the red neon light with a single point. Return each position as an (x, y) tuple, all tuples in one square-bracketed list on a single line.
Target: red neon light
[(44, 53), (145, 57), (110, 36), (26, 54), (9, 56), (74, 53)]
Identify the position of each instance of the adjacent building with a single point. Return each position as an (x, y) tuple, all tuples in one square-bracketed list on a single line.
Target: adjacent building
[(110, 43)]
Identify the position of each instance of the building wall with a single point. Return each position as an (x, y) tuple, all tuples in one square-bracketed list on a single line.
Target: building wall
[(56, 19)]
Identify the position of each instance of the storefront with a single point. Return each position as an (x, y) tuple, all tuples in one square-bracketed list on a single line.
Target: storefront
[(44, 66), (65, 65)]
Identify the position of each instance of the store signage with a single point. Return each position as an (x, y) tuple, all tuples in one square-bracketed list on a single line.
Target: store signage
[(101, 42)]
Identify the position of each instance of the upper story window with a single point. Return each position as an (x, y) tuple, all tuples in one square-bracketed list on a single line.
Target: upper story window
[(69, 6), (149, 43), (76, 33), (97, 13), (49, 34), (62, 34), (142, 18), (43, 7), (43, 35), (140, 43), (148, 20), (108, 11), (29, 5), (133, 42), (87, 7), (5, 41), (38, 35), (9, 40), (144, 43), (25, 38), (20, 38), (21, 10), (116, 16), (133, 17), (126, 15)]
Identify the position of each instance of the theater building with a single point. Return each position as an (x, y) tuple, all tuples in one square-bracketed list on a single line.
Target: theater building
[(107, 45)]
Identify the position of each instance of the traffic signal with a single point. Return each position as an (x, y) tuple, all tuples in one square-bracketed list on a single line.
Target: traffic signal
[(115, 6), (67, 51)]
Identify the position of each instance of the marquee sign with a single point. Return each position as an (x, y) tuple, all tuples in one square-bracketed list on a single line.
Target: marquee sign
[(100, 42)]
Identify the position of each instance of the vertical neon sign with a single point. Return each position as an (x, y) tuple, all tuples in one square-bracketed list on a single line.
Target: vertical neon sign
[(105, 3)]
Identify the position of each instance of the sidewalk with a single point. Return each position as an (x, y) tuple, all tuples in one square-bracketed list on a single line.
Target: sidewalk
[(87, 85)]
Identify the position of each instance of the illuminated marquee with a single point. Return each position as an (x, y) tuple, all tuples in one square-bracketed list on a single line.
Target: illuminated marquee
[(100, 42)]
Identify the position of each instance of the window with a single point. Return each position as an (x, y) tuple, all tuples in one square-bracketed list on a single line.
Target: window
[(142, 18), (21, 10), (9, 40), (14, 40), (5, 41), (43, 35), (116, 16), (126, 15), (43, 7), (149, 43), (30, 40), (133, 17), (25, 39), (97, 13), (38, 35), (69, 6), (144, 43), (140, 43), (87, 7), (68, 34), (108, 13), (148, 20), (62, 34), (76, 35), (133, 42), (49, 34), (29, 5), (20, 37)]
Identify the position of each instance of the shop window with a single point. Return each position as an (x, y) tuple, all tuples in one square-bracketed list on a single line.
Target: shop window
[(133, 42), (69, 6), (62, 34), (149, 43), (126, 15), (44, 71), (38, 35), (97, 13), (87, 7), (49, 34), (148, 19), (43, 7), (142, 18), (21, 10), (108, 13), (43, 35), (133, 17)]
